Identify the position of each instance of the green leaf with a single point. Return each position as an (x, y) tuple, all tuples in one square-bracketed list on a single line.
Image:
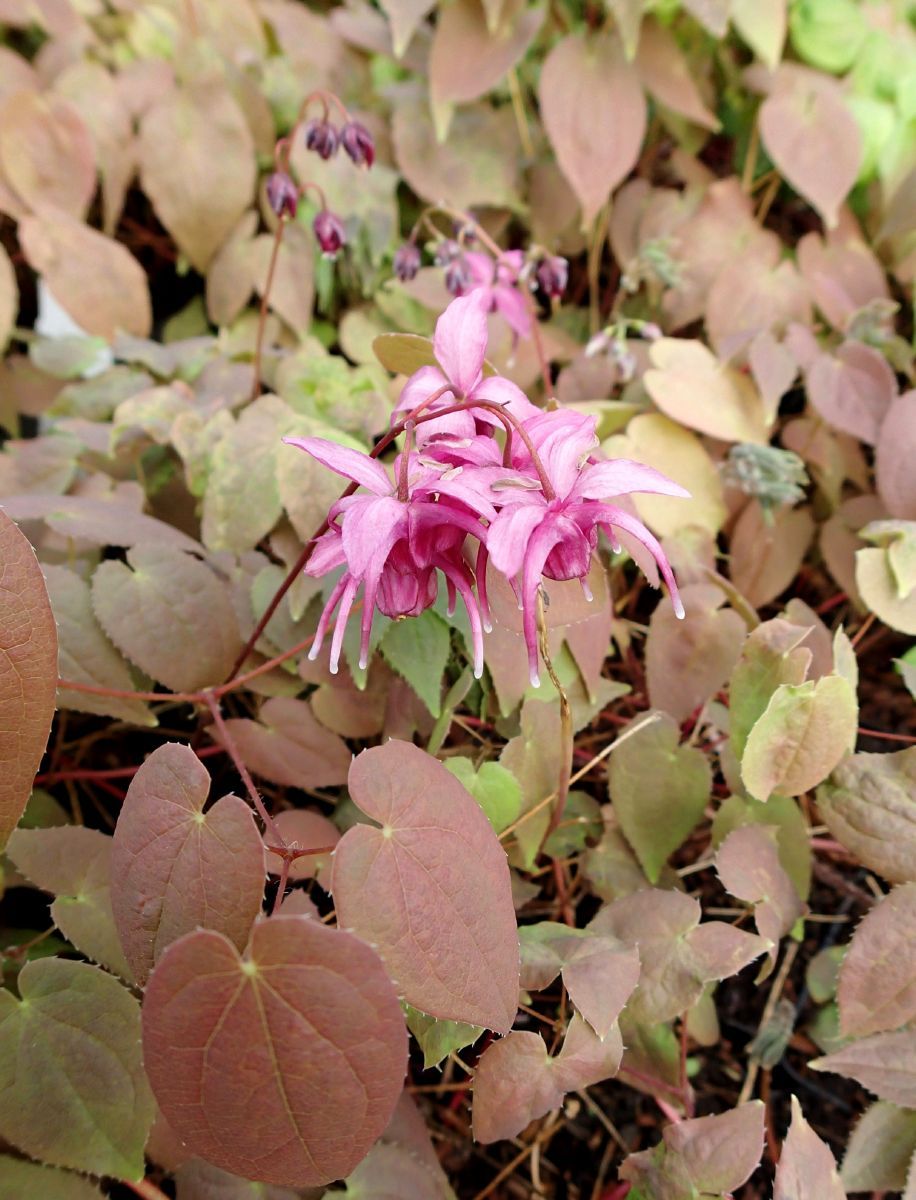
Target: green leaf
[(439, 1038), (21, 1180), (72, 1088), (404, 353), (495, 789), (418, 649), (803, 734), (828, 34), (772, 655), (659, 790)]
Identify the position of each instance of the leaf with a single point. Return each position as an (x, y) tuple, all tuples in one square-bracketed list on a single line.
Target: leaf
[(773, 655), (534, 759), (197, 165), (9, 298), (582, 76), (75, 864), (46, 152), (28, 672), (306, 1025), (175, 868), (880, 1150), (288, 746), (102, 522), (679, 956), (95, 279), (467, 58), (766, 557), (72, 1088), (600, 975), (693, 388), (304, 829), (706, 1156), (438, 1039), (869, 805), (22, 1180), (852, 389), (877, 984), (419, 651), (659, 790), (843, 273), (895, 454), (748, 866), (885, 1063), (813, 139), (688, 661), (199, 1180), (403, 353), (405, 16), (170, 614), (430, 888), (292, 291), (763, 27), (752, 297), (667, 75), (880, 590), (392, 1172), (85, 655), (495, 789), (803, 734), (785, 816)]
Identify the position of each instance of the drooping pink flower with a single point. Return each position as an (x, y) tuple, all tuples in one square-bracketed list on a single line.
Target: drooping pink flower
[(392, 539), (536, 534), (499, 282)]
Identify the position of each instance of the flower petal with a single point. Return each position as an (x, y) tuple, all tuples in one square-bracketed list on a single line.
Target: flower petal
[(482, 267), (511, 303), (542, 541), (327, 555), (422, 384), (619, 477), (505, 393), (616, 516), (369, 531), (352, 464), (460, 340), (508, 537)]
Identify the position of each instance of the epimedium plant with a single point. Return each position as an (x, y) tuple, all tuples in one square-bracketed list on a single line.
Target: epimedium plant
[(500, 351)]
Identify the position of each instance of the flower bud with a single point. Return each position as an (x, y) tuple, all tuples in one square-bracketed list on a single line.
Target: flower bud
[(457, 276), (322, 137), (329, 233), (407, 262), (446, 251), (358, 143), (282, 194), (552, 276)]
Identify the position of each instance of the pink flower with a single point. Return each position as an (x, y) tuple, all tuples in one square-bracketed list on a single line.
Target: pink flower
[(460, 346), (536, 534), (499, 283), (393, 540)]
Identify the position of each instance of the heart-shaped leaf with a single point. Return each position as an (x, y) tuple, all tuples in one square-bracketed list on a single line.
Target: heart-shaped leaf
[(807, 1169), (876, 991)]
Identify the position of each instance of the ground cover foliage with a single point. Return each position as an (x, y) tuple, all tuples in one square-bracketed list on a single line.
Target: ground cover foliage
[(415, 927)]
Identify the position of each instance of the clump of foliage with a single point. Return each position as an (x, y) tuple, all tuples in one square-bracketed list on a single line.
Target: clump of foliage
[(318, 322)]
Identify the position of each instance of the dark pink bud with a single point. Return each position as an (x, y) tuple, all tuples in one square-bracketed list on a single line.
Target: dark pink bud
[(457, 276), (407, 262), (446, 251), (321, 136), (329, 233), (282, 194), (358, 143), (552, 275)]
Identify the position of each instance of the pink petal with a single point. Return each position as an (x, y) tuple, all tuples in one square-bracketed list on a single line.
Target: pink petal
[(455, 577), (511, 303), (616, 516), (619, 477), (543, 540), (483, 269), (505, 393), (460, 340), (327, 555), (369, 532), (352, 464), (325, 619), (419, 387), (343, 616), (508, 537)]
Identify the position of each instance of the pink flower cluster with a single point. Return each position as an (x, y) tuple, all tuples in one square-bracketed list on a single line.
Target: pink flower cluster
[(530, 503)]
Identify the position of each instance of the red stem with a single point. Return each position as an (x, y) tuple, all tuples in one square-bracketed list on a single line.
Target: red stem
[(232, 750)]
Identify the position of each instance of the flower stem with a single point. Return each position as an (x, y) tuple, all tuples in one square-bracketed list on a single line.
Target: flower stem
[(269, 823), (265, 301), (566, 728)]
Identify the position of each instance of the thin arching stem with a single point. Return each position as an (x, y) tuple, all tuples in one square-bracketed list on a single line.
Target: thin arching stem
[(229, 742), (566, 728), (265, 301)]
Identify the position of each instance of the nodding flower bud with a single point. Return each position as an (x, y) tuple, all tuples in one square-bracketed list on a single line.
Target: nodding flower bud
[(282, 194), (329, 233), (457, 276), (358, 143), (322, 137), (552, 275), (446, 251), (407, 262)]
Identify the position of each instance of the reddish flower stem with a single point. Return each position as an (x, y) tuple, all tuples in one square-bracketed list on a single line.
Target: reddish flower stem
[(232, 750), (265, 301)]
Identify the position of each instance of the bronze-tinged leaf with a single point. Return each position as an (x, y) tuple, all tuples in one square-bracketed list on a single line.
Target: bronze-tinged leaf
[(772, 655), (75, 864), (895, 456), (391, 1171), (85, 653), (765, 558), (288, 746), (807, 1169), (9, 298), (843, 273), (600, 974), (885, 1063), (170, 614), (876, 992), (760, 294), (467, 58), (405, 17), (292, 290), (304, 829), (707, 1156), (869, 805), (581, 77), (46, 152), (72, 1088), (23, 1180), (102, 522), (174, 867), (97, 280), (199, 1180), (283, 1066), (852, 389), (28, 672), (813, 138), (197, 165), (430, 888), (880, 1149), (667, 75)]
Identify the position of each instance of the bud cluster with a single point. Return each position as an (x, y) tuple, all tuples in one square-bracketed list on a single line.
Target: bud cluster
[(325, 138)]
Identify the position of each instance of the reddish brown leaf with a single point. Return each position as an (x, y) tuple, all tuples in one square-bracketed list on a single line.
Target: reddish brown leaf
[(807, 1170), (431, 888), (877, 985), (599, 974), (666, 73), (176, 868), (884, 1063), (842, 272), (288, 746), (283, 1066), (765, 558), (28, 672), (467, 59), (98, 521), (46, 152), (405, 17), (895, 456), (852, 389), (583, 76)]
